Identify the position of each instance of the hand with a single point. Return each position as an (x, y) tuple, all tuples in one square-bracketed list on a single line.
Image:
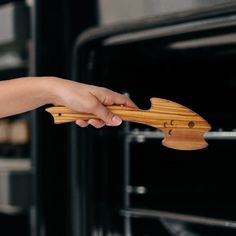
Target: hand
[(89, 99)]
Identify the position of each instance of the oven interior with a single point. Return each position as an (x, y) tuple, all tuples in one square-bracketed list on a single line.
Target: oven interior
[(135, 185)]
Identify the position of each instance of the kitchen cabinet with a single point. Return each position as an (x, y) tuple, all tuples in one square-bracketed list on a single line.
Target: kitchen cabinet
[(15, 158)]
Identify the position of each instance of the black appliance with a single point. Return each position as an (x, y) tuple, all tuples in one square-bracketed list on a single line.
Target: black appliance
[(122, 180)]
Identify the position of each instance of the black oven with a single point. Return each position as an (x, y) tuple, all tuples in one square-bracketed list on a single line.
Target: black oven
[(123, 180)]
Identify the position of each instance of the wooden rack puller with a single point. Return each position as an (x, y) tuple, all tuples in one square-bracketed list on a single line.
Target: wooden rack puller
[(183, 129)]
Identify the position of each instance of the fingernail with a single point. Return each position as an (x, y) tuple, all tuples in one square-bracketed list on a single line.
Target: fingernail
[(116, 120)]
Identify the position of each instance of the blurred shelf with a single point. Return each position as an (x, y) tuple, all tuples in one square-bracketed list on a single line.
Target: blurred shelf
[(15, 164), (10, 210), (15, 29), (13, 64), (15, 185)]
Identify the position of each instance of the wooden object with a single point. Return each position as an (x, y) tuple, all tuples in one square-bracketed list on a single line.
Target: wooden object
[(183, 128)]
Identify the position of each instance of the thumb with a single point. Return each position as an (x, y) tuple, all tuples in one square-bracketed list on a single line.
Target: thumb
[(115, 120), (107, 116)]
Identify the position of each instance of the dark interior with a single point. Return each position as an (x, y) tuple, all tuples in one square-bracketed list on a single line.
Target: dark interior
[(196, 183)]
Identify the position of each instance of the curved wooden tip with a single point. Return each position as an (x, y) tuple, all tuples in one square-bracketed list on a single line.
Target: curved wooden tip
[(184, 129), (184, 140)]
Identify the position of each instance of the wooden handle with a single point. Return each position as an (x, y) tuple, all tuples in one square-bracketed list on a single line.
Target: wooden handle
[(183, 128)]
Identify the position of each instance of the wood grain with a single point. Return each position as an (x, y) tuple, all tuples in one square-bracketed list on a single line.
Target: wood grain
[(183, 128)]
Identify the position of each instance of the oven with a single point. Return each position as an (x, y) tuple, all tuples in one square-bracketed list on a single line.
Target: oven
[(123, 181)]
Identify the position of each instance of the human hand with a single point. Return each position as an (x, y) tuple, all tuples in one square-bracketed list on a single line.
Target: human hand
[(89, 99)]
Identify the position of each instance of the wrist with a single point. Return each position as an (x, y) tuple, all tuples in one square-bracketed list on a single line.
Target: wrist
[(49, 89)]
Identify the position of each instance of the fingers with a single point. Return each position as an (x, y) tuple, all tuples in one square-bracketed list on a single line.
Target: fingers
[(94, 122), (123, 100), (104, 115), (107, 116), (104, 97), (97, 123), (81, 123), (96, 104), (110, 97)]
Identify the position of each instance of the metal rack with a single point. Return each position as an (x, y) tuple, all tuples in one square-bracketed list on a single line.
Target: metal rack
[(158, 215), (140, 136)]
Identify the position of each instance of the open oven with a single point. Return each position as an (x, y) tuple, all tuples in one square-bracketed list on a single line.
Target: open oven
[(123, 180)]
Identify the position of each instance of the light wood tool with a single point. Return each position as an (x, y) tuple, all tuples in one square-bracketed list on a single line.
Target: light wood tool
[(183, 129)]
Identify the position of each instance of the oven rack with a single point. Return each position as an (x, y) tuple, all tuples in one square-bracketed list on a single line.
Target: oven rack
[(141, 135), (184, 218)]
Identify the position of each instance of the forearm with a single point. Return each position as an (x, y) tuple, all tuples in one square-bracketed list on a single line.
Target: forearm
[(24, 94)]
